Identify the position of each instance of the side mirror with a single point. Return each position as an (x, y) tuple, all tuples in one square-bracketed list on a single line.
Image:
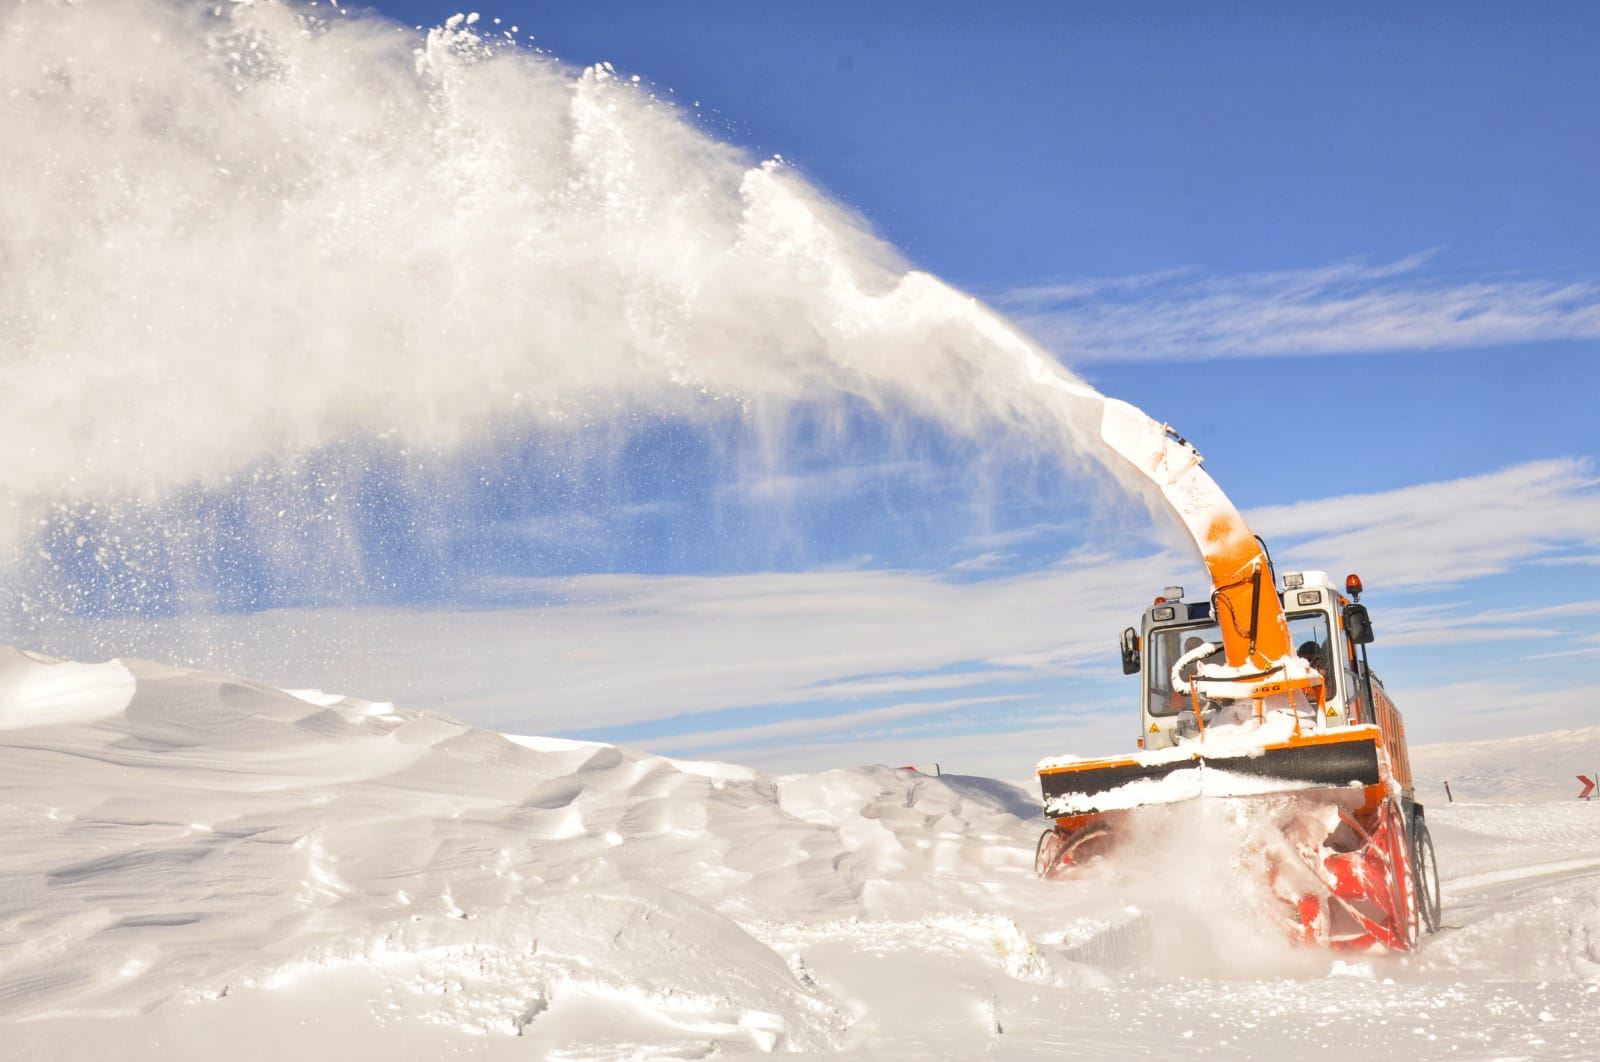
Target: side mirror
[(1357, 624), (1130, 651)]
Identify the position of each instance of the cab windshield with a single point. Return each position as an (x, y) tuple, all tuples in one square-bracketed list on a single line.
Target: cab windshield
[(1308, 633), (1164, 648)]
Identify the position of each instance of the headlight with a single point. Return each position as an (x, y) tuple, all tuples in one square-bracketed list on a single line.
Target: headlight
[(1165, 612), (1309, 597)]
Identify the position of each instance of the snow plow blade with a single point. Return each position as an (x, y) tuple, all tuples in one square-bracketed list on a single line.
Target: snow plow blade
[(1346, 758), (1354, 889)]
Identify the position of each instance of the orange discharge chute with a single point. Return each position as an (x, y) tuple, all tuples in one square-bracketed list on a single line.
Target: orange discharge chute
[(1255, 634)]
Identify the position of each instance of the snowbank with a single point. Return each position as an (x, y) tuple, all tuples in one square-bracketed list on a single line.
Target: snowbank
[(1533, 767), (194, 860)]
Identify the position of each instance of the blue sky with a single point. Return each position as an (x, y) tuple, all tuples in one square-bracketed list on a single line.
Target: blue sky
[(1000, 145), (1387, 213), (1010, 146)]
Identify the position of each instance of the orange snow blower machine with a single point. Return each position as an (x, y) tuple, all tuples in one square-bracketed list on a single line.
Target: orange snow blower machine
[(1260, 689)]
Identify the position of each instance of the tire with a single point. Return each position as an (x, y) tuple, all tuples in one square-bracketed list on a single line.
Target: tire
[(1403, 881), (1426, 871), (1047, 856), (1060, 851)]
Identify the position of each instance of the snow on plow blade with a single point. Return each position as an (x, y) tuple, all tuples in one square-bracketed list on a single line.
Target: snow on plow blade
[(1347, 757)]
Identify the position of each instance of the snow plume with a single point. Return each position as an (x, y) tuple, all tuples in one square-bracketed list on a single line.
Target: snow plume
[(235, 235)]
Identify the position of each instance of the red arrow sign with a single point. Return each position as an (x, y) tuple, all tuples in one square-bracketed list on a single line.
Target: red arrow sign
[(1588, 786)]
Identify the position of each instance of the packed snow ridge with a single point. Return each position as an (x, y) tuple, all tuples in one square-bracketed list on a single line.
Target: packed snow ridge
[(196, 864)]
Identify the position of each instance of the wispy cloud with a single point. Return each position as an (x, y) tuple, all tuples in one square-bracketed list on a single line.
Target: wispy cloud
[(983, 562), (865, 649), (1453, 623), (812, 725), (1456, 626), (990, 541), (1568, 560), (599, 651), (1566, 654), (1347, 307), (881, 685), (1473, 704), (826, 483), (1008, 752), (1445, 532)]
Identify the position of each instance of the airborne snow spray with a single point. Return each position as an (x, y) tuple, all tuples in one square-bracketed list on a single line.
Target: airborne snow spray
[(1198, 872), (240, 242)]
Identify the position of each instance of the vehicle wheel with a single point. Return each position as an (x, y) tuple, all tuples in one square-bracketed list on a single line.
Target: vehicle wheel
[(1427, 873), (1047, 857), (1060, 851), (1408, 931)]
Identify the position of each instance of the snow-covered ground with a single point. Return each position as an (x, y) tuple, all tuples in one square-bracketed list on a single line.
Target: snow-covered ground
[(197, 866)]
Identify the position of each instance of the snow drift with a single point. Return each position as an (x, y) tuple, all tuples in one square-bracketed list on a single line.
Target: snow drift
[(194, 859)]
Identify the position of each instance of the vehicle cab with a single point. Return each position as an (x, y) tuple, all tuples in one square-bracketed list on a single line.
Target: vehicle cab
[(1175, 631)]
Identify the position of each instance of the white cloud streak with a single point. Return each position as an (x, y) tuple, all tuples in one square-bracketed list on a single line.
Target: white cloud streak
[(1349, 307), (611, 650), (1481, 708), (614, 650), (812, 725), (1442, 533), (825, 484), (1008, 754), (1453, 623)]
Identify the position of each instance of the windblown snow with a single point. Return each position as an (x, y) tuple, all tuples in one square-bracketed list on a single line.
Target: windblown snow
[(198, 866)]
